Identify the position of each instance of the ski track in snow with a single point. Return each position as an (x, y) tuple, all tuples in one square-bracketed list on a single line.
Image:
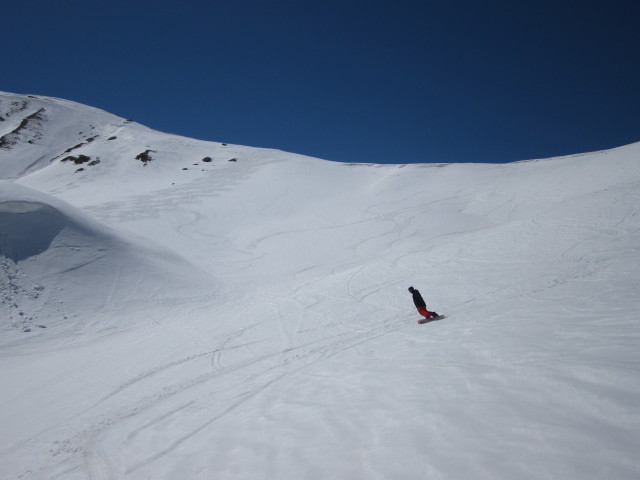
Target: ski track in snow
[(250, 374)]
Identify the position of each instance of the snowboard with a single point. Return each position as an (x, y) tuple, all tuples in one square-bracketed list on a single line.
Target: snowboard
[(427, 320)]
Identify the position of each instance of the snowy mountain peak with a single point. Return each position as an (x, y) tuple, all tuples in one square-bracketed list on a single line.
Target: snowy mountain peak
[(58, 145), (36, 131)]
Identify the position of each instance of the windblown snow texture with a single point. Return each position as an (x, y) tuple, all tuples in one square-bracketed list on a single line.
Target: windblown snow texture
[(219, 311)]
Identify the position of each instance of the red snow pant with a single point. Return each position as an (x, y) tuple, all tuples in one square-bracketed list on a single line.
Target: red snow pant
[(425, 313)]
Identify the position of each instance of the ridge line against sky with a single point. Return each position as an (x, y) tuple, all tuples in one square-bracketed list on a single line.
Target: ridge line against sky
[(351, 81)]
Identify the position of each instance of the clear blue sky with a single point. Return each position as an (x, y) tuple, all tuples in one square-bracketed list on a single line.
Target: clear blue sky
[(366, 81)]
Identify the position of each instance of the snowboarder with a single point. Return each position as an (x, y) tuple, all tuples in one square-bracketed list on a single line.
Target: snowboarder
[(421, 305)]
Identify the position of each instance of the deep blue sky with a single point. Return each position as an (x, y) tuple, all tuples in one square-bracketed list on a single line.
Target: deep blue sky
[(365, 81)]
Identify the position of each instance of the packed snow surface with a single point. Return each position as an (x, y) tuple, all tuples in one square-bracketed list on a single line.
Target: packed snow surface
[(173, 309)]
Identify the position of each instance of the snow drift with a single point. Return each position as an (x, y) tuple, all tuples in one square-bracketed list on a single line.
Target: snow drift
[(58, 264)]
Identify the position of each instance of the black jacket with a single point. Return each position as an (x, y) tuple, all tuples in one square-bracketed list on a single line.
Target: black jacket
[(418, 300)]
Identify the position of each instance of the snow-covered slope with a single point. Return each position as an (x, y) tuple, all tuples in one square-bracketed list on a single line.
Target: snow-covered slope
[(58, 265), (268, 332)]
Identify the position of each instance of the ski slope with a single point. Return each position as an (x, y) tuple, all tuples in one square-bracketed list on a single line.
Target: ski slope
[(230, 312)]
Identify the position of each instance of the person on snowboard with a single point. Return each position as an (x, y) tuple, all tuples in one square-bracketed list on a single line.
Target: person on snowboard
[(421, 305)]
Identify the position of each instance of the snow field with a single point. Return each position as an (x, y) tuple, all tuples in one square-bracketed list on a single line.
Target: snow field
[(259, 325)]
